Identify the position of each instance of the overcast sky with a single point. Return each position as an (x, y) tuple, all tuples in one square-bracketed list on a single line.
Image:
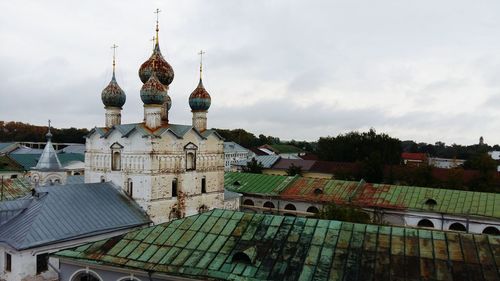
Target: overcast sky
[(422, 70)]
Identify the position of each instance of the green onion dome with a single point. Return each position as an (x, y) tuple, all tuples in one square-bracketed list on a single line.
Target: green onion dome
[(113, 95), (153, 92), (157, 64), (200, 100)]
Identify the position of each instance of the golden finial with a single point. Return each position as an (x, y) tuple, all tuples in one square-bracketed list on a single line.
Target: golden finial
[(201, 53), (157, 12), (114, 57)]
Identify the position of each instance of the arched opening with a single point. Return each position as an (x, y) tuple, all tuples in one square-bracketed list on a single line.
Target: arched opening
[(491, 230), (203, 185), (269, 204), (86, 276), (103, 179), (116, 161), (290, 207), (174, 188), (430, 202), (313, 210), (241, 257), (248, 202), (76, 174), (57, 181), (190, 161), (425, 223), (203, 208), (457, 227)]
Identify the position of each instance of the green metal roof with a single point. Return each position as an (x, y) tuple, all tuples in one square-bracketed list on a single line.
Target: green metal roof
[(28, 161), (286, 148), (255, 183), (449, 201), (293, 248)]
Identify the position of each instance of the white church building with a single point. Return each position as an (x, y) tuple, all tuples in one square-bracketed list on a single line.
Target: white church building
[(170, 170)]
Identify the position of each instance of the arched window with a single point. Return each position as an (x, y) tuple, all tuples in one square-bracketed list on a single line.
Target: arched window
[(203, 185), (457, 227), (85, 275), (190, 161), (491, 230), (269, 204), (174, 188), (241, 257), (313, 209), (116, 161), (130, 187), (248, 202), (290, 207), (425, 223)]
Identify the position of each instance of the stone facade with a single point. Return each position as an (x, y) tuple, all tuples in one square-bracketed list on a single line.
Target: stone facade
[(151, 168)]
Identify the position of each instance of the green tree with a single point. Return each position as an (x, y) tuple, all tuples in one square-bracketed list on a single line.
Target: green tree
[(344, 213), (294, 170), (372, 168), (254, 167)]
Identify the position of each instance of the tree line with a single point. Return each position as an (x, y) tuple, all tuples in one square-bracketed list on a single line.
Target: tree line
[(18, 131)]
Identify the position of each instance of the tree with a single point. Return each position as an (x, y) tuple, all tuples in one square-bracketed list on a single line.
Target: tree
[(254, 167), (372, 168), (294, 170), (344, 213)]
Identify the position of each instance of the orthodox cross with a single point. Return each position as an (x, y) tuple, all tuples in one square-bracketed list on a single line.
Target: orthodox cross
[(114, 53), (201, 53), (157, 12)]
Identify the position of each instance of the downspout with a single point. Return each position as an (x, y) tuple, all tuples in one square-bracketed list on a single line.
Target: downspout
[(149, 275)]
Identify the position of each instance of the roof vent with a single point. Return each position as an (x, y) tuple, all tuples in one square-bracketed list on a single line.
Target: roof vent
[(318, 191), (241, 257), (430, 202), (237, 183)]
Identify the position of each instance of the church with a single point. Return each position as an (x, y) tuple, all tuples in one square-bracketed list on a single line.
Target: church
[(170, 170)]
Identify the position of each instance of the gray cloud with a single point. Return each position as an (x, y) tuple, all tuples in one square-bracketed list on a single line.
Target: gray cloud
[(426, 71)]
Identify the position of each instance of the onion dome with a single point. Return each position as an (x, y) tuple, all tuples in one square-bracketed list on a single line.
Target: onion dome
[(113, 95), (153, 92), (157, 64), (200, 100)]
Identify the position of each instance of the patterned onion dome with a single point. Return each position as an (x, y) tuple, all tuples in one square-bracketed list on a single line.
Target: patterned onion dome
[(153, 92), (200, 100), (169, 102), (157, 64), (113, 95)]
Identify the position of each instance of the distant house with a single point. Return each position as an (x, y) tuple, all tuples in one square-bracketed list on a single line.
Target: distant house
[(445, 163), (495, 155), (229, 245), (286, 151), (267, 161), (55, 217), (233, 153), (414, 159)]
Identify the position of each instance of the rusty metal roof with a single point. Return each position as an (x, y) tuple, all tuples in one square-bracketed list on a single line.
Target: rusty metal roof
[(448, 201), (14, 188), (256, 183), (205, 246)]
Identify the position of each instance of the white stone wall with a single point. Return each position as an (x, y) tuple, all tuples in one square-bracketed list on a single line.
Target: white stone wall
[(151, 164), (23, 266)]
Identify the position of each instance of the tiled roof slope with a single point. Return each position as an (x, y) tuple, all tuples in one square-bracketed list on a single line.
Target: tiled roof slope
[(267, 161), (7, 164), (448, 201), (14, 188), (255, 183), (291, 248), (61, 213)]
